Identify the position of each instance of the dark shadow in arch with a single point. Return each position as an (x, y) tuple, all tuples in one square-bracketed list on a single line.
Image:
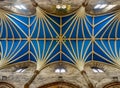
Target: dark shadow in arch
[(59, 85), (112, 85), (6, 85)]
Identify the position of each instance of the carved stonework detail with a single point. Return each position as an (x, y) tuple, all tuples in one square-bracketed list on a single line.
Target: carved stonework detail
[(113, 85), (59, 85), (6, 85)]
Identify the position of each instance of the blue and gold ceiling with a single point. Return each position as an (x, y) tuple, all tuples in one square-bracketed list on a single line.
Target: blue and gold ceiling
[(76, 38)]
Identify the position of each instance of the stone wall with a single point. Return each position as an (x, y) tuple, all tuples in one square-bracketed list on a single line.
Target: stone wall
[(47, 75)]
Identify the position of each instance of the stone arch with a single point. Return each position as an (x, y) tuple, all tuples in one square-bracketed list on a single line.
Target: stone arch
[(6, 85), (112, 85), (59, 85)]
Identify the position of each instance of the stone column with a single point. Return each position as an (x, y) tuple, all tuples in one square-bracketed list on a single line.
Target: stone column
[(36, 72), (84, 74)]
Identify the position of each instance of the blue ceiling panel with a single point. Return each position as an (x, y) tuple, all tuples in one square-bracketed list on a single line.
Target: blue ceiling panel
[(42, 28), (103, 17), (102, 26), (55, 59), (118, 29), (74, 50), (19, 23), (60, 38), (89, 19), (86, 29), (14, 51), (107, 50), (52, 27), (66, 58), (53, 18), (44, 49), (22, 18), (67, 18), (99, 59)]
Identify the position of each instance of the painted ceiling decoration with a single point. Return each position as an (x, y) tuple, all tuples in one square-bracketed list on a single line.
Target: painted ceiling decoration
[(43, 38), (77, 38)]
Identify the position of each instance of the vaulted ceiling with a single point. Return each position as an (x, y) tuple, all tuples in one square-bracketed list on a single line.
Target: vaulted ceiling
[(45, 32), (26, 7), (76, 38)]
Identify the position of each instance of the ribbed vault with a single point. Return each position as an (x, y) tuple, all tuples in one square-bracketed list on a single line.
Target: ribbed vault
[(43, 38)]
